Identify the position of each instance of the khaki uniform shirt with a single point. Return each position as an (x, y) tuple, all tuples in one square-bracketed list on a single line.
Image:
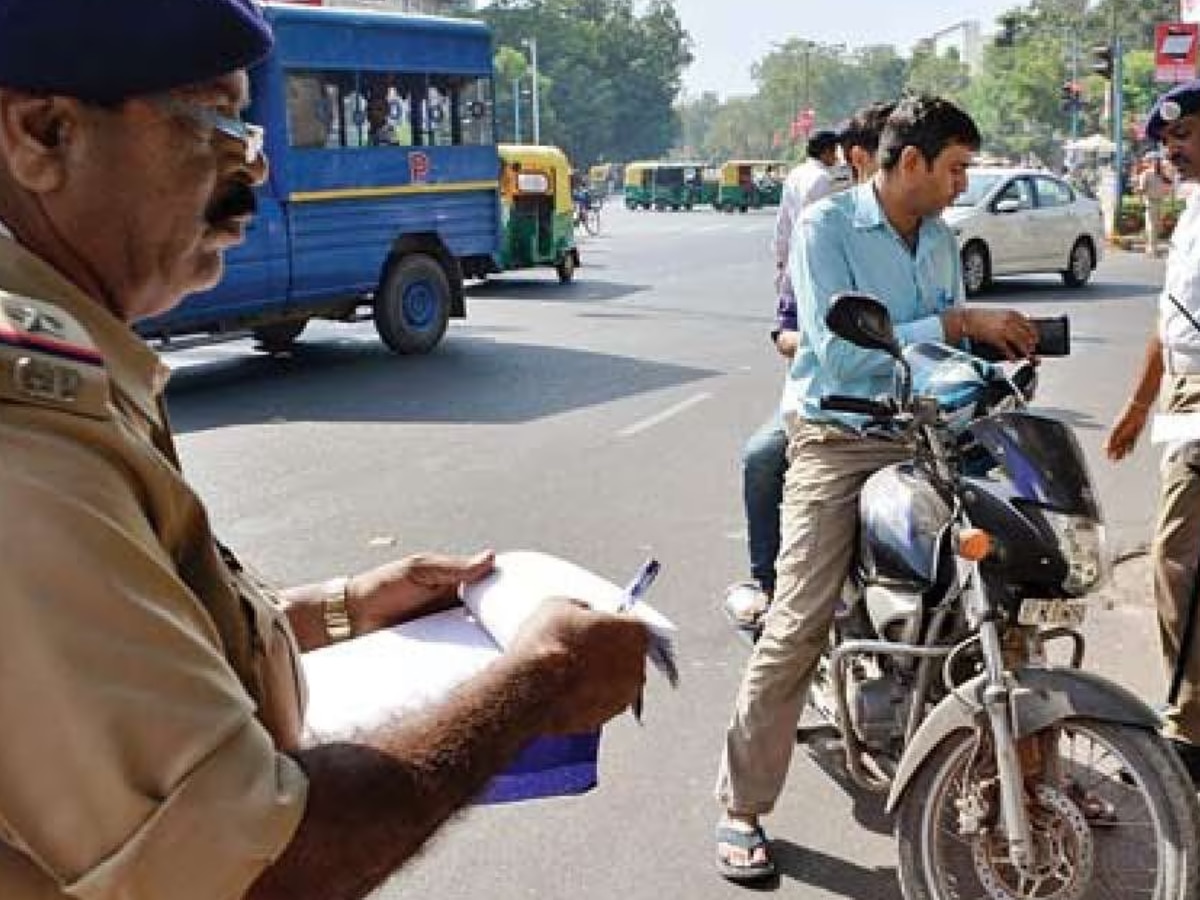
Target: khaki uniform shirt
[(146, 690)]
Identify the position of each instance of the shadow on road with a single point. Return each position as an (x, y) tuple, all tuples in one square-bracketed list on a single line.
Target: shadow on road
[(1041, 289), (549, 290), (467, 380), (837, 876)]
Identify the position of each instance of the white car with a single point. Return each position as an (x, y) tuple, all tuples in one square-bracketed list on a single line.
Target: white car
[(1011, 221)]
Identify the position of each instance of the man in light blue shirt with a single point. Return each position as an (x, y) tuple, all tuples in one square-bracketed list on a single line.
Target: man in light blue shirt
[(884, 238)]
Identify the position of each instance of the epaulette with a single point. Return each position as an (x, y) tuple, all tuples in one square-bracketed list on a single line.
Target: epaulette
[(48, 359)]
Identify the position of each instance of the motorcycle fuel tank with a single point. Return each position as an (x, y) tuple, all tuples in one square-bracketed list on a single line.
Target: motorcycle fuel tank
[(904, 521)]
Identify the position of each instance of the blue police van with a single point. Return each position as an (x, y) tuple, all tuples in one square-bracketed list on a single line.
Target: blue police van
[(383, 191)]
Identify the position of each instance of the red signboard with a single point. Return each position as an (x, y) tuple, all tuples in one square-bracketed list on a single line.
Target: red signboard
[(1175, 51)]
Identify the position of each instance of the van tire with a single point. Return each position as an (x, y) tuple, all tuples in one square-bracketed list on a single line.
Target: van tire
[(278, 337), (412, 308)]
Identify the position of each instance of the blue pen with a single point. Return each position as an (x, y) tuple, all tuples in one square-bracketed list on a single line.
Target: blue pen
[(637, 588), (634, 592)]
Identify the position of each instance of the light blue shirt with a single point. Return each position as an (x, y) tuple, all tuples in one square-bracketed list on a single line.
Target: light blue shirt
[(845, 243)]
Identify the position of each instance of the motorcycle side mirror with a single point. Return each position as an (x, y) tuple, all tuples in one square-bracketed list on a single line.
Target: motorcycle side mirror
[(863, 321)]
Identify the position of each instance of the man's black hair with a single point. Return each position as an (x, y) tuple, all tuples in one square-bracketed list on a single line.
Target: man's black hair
[(930, 124), (821, 143), (865, 126)]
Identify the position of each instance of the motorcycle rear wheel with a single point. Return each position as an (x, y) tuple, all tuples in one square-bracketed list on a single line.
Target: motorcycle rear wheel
[(1118, 820)]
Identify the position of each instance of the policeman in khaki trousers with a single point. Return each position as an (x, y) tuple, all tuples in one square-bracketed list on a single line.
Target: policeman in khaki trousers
[(150, 694), (1174, 354)]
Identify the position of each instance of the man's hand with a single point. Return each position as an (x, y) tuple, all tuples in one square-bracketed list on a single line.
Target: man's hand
[(1007, 330), (1126, 430), (411, 587), (597, 661)]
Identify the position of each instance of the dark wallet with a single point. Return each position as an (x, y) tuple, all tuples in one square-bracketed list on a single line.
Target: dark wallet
[(1054, 339)]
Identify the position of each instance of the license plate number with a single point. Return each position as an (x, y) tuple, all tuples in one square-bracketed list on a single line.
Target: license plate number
[(1053, 613)]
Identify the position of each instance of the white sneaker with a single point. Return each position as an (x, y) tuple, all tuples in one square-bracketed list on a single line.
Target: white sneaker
[(746, 603)]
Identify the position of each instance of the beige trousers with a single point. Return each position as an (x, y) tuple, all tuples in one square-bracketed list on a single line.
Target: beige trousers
[(826, 470), (1174, 556)]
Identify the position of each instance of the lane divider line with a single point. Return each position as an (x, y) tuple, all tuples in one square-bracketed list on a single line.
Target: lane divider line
[(660, 417)]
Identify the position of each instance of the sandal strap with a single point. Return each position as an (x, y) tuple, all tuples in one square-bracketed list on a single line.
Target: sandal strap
[(743, 840)]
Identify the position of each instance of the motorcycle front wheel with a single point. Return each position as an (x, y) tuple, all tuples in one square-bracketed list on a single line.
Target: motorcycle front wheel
[(1113, 815)]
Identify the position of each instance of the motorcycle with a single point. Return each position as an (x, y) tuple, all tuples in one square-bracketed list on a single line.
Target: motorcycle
[(1010, 777)]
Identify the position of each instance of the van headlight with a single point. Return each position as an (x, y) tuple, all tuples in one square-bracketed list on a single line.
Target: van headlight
[(1081, 542)]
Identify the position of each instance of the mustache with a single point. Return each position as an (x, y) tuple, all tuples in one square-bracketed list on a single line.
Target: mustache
[(235, 201)]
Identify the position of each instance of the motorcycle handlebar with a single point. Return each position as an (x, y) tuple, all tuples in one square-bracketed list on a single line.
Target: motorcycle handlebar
[(876, 409)]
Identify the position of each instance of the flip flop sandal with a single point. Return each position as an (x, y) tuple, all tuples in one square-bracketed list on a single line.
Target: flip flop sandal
[(749, 841)]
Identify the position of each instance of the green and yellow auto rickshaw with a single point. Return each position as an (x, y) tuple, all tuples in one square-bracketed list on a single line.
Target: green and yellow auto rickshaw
[(639, 184), (677, 185), (750, 184), (536, 210)]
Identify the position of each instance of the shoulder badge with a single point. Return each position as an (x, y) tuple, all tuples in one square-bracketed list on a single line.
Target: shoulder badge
[(47, 358)]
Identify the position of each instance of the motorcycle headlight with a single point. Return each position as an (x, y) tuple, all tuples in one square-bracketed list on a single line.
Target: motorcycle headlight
[(1080, 540)]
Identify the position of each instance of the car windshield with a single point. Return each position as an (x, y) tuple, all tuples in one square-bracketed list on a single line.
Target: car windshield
[(978, 184)]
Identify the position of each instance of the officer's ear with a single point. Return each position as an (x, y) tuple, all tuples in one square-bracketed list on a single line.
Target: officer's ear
[(33, 134)]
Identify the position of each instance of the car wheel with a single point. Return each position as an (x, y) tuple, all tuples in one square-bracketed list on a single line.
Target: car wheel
[(977, 267), (1080, 264)]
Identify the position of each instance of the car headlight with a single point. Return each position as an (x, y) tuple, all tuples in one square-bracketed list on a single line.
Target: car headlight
[(1081, 542)]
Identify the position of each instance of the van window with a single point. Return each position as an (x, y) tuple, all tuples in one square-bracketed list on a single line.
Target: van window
[(380, 109)]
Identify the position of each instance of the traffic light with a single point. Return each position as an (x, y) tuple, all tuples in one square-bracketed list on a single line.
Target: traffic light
[(1102, 61)]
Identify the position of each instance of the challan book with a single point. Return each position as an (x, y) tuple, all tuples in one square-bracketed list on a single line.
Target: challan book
[(364, 682)]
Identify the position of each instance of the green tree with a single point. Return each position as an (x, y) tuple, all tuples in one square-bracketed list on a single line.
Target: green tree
[(511, 68), (609, 73)]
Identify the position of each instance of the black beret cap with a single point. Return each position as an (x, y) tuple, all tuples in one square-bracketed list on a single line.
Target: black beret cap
[(1181, 100), (105, 51)]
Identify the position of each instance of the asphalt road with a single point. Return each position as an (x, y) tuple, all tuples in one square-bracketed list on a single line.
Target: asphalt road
[(601, 421)]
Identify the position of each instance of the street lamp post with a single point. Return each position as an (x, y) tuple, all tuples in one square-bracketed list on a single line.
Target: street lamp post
[(516, 110), (531, 43)]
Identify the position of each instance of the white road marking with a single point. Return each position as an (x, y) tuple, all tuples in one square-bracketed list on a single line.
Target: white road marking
[(659, 418)]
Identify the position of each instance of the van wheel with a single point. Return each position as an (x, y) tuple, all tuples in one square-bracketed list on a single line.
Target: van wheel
[(278, 337), (412, 308)]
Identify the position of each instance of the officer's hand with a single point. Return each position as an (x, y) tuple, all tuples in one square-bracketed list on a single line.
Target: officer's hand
[(1007, 330), (1125, 430), (411, 587), (597, 661)]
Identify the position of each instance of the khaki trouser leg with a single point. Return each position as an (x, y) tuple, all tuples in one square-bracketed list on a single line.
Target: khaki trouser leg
[(1174, 556), (820, 520)]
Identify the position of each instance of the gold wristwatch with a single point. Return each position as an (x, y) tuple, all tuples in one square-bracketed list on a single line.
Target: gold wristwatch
[(334, 611)]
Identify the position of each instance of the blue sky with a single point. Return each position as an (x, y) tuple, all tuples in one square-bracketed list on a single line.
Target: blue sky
[(728, 35)]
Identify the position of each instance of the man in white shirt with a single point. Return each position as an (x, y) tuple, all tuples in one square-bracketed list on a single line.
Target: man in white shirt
[(809, 181)]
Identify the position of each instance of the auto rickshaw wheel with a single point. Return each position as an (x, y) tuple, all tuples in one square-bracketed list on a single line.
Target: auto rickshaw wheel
[(566, 267), (412, 306)]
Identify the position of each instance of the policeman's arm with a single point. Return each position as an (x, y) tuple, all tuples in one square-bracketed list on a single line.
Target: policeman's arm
[(375, 799), (1132, 419)]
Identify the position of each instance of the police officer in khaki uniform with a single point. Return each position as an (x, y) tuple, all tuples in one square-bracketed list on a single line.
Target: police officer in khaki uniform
[(1174, 354), (149, 692)]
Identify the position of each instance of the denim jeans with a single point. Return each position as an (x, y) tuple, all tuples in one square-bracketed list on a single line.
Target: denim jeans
[(764, 465)]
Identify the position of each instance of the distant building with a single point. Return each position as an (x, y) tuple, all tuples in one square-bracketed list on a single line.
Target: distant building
[(963, 39)]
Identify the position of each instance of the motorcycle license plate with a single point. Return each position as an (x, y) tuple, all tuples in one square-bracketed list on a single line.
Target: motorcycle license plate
[(1053, 613)]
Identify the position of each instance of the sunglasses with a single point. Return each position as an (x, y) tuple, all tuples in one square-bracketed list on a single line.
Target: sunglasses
[(250, 136)]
